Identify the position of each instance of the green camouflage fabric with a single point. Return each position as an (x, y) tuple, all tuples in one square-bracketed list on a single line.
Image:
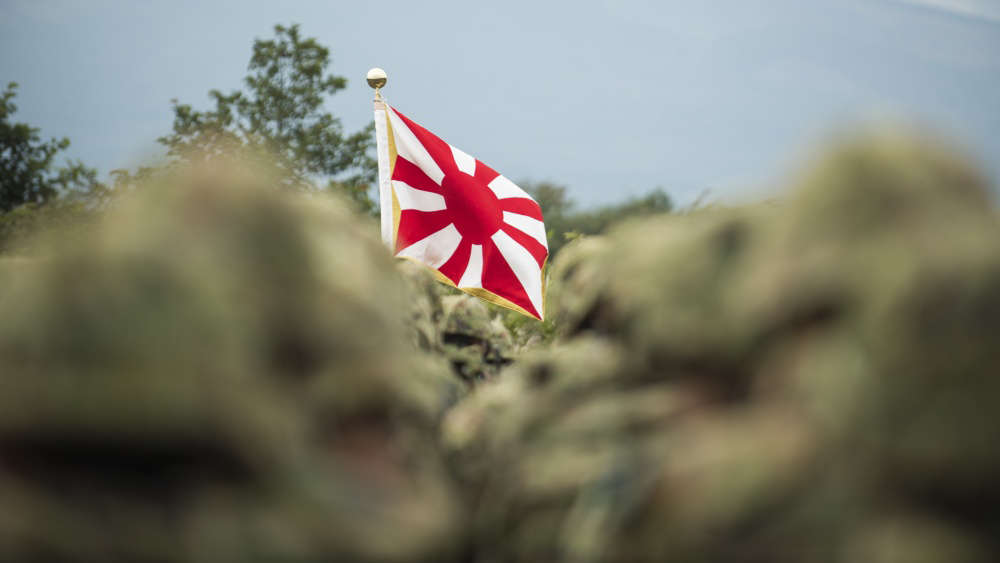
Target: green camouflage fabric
[(454, 327), (424, 308), (477, 345), (808, 380), (219, 372)]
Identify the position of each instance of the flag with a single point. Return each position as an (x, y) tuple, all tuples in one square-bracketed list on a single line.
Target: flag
[(445, 209)]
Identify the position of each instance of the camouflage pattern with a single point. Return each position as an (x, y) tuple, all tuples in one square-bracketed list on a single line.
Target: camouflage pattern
[(809, 380), (423, 299), (476, 344), (219, 372), (455, 327)]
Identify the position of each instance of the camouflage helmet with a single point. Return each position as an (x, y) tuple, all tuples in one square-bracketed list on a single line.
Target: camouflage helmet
[(424, 304), (476, 345), (804, 380), (218, 372)]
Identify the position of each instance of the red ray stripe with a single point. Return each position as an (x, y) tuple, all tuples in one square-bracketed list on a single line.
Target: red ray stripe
[(417, 225), (439, 150), (499, 278), (406, 171), (459, 261), (484, 173), (522, 205), (528, 242)]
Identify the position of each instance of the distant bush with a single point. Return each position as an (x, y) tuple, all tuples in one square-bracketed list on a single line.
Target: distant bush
[(564, 223)]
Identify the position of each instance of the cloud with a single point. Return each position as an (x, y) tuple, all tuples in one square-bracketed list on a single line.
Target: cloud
[(978, 9)]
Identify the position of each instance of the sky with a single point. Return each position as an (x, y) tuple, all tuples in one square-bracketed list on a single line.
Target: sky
[(611, 98)]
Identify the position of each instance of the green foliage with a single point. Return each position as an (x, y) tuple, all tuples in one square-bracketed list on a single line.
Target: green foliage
[(27, 171), (123, 181), (279, 115), (564, 223), (19, 226)]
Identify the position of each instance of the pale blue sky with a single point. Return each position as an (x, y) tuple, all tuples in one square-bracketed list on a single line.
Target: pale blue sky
[(610, 98)]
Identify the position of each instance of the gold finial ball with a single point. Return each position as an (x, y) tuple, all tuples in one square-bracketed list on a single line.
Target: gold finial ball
[(376, 78)]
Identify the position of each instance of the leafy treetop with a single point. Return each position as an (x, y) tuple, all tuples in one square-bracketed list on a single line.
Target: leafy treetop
[(564, 223), (28, 174), (280, 113)]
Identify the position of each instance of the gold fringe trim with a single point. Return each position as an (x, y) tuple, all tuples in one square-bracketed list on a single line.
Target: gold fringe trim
[(486, 294)]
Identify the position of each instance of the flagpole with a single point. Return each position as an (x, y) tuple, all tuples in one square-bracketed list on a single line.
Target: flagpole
[(376, 79)]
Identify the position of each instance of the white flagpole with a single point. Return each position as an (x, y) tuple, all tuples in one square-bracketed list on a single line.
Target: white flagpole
[(376, 79)]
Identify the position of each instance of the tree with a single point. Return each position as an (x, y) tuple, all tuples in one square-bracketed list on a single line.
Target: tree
[(563, 223), (598, 220), (556, 208), (280, 113), (27, 171)]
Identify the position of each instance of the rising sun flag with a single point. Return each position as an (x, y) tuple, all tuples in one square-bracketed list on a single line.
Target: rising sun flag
[(443, 208)]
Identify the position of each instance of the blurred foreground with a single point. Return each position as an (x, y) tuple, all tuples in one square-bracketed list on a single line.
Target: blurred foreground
[(219, 371)]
